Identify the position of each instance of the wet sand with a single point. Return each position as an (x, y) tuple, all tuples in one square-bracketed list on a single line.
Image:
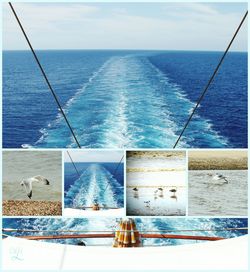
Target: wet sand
[(217, 160), (27, 208), (154, 170), (155, 154)]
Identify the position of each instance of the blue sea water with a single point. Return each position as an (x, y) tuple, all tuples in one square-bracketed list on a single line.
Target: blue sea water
[(96, 183), (147, 224), (124, 99)]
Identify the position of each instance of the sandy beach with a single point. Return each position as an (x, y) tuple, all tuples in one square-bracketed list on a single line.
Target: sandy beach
[(155, 154), (154, 170), (156, 183), (217, 160), (34, 208)]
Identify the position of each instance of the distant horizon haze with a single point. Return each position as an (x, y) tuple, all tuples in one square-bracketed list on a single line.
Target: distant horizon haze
[(126, 26), (123, 49)]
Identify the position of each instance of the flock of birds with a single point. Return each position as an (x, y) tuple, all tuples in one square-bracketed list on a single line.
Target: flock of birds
[(158, 192), (27, 184)]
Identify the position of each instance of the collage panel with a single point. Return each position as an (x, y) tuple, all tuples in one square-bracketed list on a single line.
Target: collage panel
[(218, 183), (32, 183), (156, 183), (125, 136), (136, 98), (194, 240), (93, 183)]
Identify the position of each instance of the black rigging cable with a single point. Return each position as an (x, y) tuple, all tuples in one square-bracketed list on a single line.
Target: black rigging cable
[(62, 111), (114, 172), (45, 77), (210, 80), (78, 173)]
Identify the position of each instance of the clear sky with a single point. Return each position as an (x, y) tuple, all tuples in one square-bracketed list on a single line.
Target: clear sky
[(171, 26), (94, 156)]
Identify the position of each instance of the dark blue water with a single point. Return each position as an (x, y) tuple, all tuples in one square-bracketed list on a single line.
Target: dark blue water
[(146, 224), (124, 99), (225, 104), (97, 182)]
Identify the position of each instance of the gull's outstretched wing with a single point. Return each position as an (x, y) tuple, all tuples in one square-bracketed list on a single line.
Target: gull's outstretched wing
[(28, 187), (41, 179)]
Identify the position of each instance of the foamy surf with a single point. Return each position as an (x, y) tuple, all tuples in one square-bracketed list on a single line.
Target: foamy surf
[(96, 182), (145, 224), (129, 103)]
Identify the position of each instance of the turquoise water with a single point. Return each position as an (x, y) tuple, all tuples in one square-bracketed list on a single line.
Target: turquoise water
[(147, 224), (124, 99), (97, 182)]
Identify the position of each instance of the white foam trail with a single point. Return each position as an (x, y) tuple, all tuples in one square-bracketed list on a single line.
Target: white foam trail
[(59, 117), (132, 104), (96, 179)]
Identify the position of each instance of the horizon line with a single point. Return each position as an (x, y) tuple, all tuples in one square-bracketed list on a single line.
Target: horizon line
[(94, 162), (125, 49)]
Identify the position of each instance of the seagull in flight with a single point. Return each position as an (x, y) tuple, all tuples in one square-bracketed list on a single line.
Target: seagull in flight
[(218, 177), (27, 183)]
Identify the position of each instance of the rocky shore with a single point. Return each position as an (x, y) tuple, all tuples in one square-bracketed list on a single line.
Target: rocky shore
[(33, 208)]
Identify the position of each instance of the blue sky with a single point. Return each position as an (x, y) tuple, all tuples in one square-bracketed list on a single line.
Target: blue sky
[(94, 156), (170, 26)]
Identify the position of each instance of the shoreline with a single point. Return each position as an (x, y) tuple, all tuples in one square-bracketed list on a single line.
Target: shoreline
[(217, 164), (156, 154), (133, 170), (31, 208)]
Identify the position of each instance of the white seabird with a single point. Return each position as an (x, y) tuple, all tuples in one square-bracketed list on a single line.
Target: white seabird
[(218, 177), (27, 183)]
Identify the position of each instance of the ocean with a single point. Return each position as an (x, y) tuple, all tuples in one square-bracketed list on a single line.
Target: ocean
[(116, 99), (18, 165), (96, 183), (209, 199), (146, 224)]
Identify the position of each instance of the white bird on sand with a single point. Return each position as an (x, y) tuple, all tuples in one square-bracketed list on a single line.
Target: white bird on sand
[(218, 177), (27, 183)]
